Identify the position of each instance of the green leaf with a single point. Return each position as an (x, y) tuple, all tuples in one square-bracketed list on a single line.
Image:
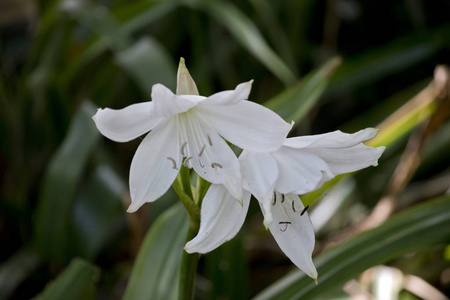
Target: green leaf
[(246, 32), (156, 269), (137, 16), (268, 18), (76, 282), (99, 20), (404, 120), (59, 184), (389, 59), (421, 227), (98, 212), (228, 271), (147, 62), (15, 270), (294, 103)]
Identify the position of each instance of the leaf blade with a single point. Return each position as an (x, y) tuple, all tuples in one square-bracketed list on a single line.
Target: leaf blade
[(155, 271)]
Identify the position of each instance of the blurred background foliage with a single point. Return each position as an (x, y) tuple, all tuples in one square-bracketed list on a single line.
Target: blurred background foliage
[(336, 64)]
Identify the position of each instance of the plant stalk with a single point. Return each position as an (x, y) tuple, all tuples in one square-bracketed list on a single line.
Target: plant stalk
[(189, 264)]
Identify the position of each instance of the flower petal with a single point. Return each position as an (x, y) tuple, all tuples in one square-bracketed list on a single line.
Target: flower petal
[(350, 159), (167, 103), (294, 233), (221, 218), (155, 165), (209, 154), (259, 173), (125, 124), (241, 92), (185, 84), (246, 124), (300, 171), (333, 140)]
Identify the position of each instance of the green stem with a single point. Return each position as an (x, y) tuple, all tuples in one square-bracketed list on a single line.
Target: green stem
[(185, 178), (188, 266)]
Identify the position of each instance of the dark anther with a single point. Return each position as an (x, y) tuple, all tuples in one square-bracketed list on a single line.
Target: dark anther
[(304, 210)]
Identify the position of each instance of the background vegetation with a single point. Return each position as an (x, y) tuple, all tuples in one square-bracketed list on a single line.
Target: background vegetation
[(328, 65)]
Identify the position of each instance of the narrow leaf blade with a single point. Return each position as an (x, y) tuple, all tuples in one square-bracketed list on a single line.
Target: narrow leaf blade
[(61, 179), (155, 271), (76, 282)]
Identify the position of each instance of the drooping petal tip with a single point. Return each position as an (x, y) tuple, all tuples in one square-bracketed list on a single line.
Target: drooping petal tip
[(267, 212), (379, 151), (133, 207), (221, 219), (123, 125)]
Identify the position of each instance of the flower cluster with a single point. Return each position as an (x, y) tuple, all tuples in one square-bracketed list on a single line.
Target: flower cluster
[(189, 130)]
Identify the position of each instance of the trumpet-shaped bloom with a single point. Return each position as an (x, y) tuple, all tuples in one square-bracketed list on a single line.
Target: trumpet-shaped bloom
[(275, 178), (187, 129)]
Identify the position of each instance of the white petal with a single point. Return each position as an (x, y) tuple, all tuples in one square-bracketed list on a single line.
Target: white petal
[(350, 159), (246, 124), (221, 218), (300, 171), (294, 233), (266, 204), (209, 154), (155, 165), (125, 124), (241, 92), (332, 140), (259, 173), (167, 103)]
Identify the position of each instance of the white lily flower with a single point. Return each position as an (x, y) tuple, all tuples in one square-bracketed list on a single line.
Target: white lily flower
[(187, 129), (275, 178), (303, 164)]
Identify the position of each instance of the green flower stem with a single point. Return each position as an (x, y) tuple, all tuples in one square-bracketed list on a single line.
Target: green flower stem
[(188, 269), (183, 190), (185, 178), (201, 189), (191, 199)]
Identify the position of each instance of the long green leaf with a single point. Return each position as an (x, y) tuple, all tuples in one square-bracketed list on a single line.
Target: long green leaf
[(418, 228), (294, 103), (155, 271), (388, 59), (98, 212), (59, 184), (76, 282), (227, 269), (139, 59), (15, 270), (137, 17), (246, 32), (147, 62), (267, 16)]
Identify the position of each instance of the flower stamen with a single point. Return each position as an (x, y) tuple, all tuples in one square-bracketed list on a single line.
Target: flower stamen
[(201, 151), (284, 223), (274, 198), (174, 163), (293, 207), (182, 148), (216, 165), (282, 198), (304, 210), (209, 140)]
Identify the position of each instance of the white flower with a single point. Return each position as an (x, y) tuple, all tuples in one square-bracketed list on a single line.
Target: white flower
[(300, 166), (188, 129)]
